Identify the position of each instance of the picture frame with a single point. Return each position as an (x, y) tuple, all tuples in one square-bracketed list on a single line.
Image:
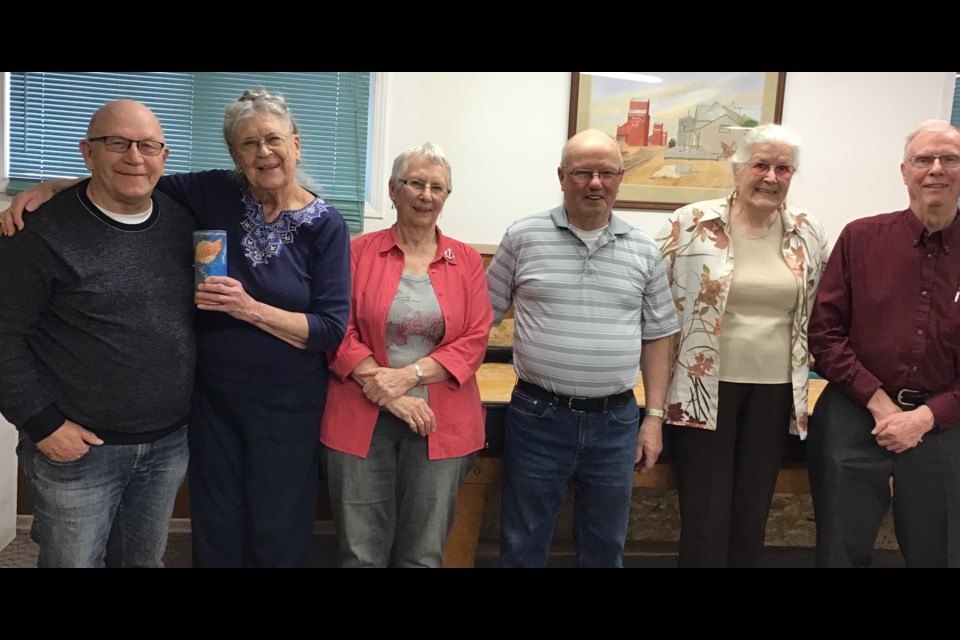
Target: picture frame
[(676, 129)]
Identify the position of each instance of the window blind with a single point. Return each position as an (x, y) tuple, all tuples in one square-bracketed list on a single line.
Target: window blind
[(49, 113), (955, 113)]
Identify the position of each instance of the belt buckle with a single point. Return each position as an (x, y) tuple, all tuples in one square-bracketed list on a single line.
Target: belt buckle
[(570, 403), (900, 399)]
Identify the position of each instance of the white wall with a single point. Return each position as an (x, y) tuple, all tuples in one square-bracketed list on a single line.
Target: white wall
[(8, 435), (503, 133), (8, 482), (853, 126)]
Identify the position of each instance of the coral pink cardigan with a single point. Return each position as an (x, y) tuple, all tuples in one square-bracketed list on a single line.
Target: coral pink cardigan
[(456, 273)]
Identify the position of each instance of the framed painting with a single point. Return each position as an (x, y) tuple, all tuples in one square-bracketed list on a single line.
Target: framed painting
[(676, 129)]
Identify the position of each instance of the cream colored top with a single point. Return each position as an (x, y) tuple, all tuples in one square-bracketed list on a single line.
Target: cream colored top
[(755, 344)]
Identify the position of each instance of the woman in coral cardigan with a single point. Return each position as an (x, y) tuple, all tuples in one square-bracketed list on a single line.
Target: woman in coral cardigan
[(404, 417)]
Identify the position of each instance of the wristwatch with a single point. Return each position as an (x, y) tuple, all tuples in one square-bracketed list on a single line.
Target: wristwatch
[(420, 374), (656, 413)]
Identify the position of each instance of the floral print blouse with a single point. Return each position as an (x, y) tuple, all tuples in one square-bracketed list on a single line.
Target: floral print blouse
[(699, 257)]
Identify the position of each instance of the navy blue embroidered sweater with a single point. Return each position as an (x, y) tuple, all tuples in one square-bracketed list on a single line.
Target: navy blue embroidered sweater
[(299, 262)]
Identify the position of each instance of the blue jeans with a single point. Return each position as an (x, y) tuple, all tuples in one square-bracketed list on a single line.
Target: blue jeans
[(111, 507), (544, 448), (395, 507)]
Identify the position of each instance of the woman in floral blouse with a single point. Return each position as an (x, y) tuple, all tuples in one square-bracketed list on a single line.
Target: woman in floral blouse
[(740, 375)]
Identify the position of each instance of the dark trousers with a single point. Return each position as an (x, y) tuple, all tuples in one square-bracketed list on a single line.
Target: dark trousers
[(253, 472), (850, 482), (726, 477)]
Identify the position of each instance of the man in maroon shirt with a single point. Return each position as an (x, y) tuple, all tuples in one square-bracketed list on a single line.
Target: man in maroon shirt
[(885, 332)]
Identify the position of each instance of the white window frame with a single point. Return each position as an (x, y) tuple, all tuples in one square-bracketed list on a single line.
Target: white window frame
[(375, 206), (4, 132)]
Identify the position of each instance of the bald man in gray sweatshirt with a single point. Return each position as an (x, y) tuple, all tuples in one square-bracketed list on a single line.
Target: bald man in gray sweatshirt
[(97, 350)]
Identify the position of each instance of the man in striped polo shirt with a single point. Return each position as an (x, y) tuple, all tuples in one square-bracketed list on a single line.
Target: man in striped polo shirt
[(588, 291)]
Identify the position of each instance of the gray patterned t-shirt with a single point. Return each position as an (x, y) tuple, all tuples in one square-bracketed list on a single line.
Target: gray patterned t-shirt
[(414, 325)]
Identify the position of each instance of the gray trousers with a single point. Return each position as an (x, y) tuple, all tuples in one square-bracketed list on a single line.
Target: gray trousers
[(395, 507), (849, 481)]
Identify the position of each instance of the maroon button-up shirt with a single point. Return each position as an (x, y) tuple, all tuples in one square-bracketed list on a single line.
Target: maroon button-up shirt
[(887, 312)]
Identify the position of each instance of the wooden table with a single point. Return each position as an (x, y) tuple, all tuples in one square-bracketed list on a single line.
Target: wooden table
[(497, 381), (496, 385)]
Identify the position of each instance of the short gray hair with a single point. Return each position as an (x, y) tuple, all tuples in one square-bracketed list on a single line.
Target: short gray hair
[(428, 151), (924, 127), (251, 102), (765, 134)]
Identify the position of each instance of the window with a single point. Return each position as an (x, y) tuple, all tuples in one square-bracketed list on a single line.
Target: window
[(955, 113), (49, 113)]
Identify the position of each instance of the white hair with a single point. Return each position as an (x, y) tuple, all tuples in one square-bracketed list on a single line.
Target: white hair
[(765, 134)]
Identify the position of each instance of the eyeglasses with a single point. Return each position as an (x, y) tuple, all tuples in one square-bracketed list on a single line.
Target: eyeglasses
[(118, 144), (925, 162), (251, 146), (763, 168), (586, 175), (438, 190)]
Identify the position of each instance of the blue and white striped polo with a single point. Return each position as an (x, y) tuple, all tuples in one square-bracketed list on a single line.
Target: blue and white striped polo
[(580, 315)]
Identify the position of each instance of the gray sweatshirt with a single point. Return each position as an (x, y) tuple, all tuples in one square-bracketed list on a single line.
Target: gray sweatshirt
[(96, 320)]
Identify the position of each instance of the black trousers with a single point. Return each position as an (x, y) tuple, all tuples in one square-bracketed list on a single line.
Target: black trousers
[(253, 471), (850, 483), (726, 477)]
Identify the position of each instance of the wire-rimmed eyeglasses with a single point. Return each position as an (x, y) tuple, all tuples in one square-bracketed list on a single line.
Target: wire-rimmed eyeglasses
[(763, 168), (438, 190), (586, 175), (925, 162), (251, 145)]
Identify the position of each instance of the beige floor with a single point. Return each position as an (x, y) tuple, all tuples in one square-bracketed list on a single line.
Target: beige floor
[(22, 553)]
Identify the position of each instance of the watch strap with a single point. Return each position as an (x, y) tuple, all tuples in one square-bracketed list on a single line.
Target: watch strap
[(420, 374)]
